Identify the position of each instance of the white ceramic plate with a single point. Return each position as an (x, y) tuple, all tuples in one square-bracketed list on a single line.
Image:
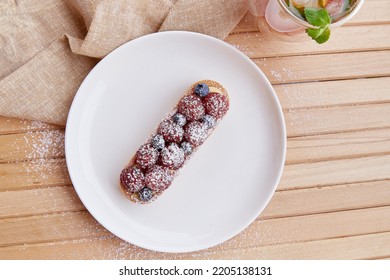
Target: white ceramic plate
[(225, 185)]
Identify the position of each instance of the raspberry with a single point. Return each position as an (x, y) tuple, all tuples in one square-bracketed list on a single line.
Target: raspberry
[(216, 104), (195, 133), (146, 156), (172, 156), (170, 131), (132, 179), (158, 178), (191, 107)]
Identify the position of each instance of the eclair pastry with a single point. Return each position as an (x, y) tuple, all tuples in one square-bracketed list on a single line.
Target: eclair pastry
[(158, 161)]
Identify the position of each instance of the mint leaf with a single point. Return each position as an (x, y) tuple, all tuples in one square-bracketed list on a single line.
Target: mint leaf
[(315, 32), (317, 17), (323, 37), (321, 19), (320, 35)]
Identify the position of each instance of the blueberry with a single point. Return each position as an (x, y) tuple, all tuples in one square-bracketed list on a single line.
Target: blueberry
[(158, 142), (179, 119), (145, 194), (209, 121), (186, 147), (201, 90)]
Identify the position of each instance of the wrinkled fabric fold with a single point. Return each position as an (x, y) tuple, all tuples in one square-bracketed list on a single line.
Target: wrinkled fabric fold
[(49, 46)]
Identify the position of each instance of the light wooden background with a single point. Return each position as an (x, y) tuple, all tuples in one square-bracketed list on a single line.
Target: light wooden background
[(333, 201)]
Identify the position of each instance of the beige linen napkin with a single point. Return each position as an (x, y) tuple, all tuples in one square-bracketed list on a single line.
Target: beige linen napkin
[(49, 46)]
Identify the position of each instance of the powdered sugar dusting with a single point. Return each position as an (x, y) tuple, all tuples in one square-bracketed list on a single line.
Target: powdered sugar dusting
[(45, 143), (276, 75), (216, 104), (132, 179), (257, 234), (172, 156), (195, 133), (170, 131), (146, 156), (159, 178), (37, 125), (191, 107), (245, 46), (36, 149)]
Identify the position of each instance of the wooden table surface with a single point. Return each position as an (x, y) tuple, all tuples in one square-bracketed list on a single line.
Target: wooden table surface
[(333, 201)]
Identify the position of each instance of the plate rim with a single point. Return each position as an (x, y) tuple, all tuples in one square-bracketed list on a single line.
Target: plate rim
[(250, 219)]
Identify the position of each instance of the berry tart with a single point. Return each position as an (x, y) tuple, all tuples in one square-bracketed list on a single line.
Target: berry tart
[(159, 160)]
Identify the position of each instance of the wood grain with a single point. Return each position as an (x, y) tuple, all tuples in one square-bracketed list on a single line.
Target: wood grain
[(39, 201), (302, 68), (73, 226), (342, 145), (343, 171), (32, 146), (333, 93), (32, 174), (50, 227), (13, 125), (336, 119), (354, 247), (372, 12), (271, 44), (328, 199)]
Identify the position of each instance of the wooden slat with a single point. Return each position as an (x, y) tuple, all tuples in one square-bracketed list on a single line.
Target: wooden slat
[(39, 201), (335, 172), (343, 39), (333, 93), (40, 173), (311, 227), (47, 228), (326, 67), (338, 146), (356, 247), (13, 125), (328, 199), (100, 248), (77, 225), (337, 119), (32, 145), (372, 12)]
